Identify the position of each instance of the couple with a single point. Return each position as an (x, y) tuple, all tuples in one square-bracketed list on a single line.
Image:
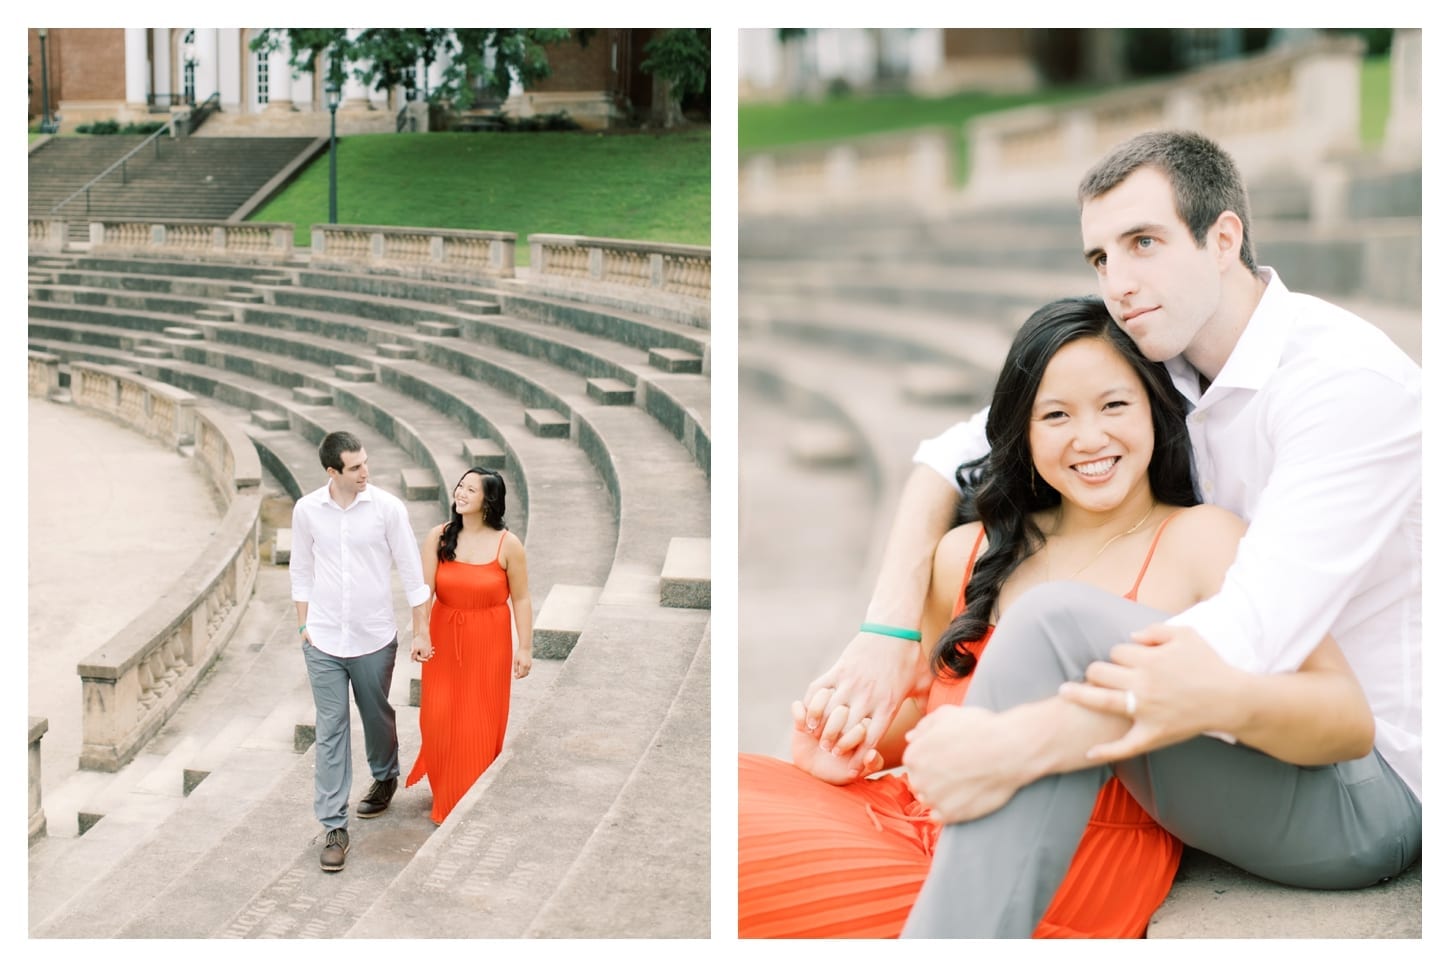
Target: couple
[(347, 537), (1159, 672)]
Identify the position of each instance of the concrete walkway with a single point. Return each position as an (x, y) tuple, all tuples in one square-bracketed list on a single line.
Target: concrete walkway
[(114, 519)]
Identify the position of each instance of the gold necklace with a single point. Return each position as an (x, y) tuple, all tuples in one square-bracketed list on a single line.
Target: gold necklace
[(1111, 540)]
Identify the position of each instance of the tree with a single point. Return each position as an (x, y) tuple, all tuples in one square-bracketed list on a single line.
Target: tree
[(679, 61), (384, 57)]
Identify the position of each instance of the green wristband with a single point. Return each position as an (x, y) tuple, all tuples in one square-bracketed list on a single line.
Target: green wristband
[(891, 632), (301, 629)]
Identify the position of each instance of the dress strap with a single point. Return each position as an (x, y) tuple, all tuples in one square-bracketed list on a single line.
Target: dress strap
[(498, 550), (967, 577), (1133, 594)]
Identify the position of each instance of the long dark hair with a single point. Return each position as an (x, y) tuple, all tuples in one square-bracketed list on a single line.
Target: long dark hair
[(1003, 489), (493, 507)]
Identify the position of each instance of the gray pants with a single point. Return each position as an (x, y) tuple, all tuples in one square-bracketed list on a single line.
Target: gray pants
[(370, 676), (1328, 827)]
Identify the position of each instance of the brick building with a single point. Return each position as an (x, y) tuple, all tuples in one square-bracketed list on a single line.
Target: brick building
[(141, 73)]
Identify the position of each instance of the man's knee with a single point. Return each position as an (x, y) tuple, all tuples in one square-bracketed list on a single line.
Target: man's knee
[(1050, 635)]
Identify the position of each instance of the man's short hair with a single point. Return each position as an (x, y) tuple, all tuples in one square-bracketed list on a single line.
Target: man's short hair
[(334, 445), (1206, 182)]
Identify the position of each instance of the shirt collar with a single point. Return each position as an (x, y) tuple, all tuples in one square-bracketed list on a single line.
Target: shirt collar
[(1258, 350), (324, 496)]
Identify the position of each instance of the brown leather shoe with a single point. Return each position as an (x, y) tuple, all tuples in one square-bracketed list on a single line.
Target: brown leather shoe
[(375, 803), (334, 849)]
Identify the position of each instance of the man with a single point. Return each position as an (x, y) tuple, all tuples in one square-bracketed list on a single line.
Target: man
[(346, 537), (1304, 421)]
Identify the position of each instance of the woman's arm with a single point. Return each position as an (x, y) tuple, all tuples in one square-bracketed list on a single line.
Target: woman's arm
[(516, 566), (428, 551), (949, 563)]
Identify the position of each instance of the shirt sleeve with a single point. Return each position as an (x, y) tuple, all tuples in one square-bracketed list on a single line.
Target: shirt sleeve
[(404, 548), (300, 561), (1346, 470), (960, 443)]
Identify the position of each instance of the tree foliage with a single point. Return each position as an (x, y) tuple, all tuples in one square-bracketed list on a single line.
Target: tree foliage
[(383, 57), (680, 56)]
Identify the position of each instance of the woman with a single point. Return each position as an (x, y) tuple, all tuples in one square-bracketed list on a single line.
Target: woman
[(476, 568), (1089, 479)]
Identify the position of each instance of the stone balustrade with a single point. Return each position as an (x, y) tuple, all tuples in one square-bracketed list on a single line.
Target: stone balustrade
[(47, 235), (1291, 107), (911, 166), (38, 728), (231, 240), (445, 250), (132, 683), (579, 262), (44, 374)]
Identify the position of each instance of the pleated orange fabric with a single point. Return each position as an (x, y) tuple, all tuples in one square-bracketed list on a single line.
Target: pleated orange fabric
[(464, 709), (824, 861)]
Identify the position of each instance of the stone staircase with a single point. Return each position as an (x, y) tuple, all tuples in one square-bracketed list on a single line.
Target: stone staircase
[(185, 178), (861, 335), (606, 763)]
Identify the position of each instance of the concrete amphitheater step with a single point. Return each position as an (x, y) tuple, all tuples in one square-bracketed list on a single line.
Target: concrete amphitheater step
[(209, 867), (832, 433), (681, 404), (626, 778), (635, 451)]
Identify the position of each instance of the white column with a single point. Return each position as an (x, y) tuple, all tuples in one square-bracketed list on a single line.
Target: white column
[(161, 67), (356, 95), (137, 67), (207, 79), (232, 79), (279, 78)]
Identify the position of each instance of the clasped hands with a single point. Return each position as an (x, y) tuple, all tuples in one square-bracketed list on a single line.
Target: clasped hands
[(966, 762)]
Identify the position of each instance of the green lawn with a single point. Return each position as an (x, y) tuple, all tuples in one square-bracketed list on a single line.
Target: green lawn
[(644, 187), (1374, 99), (767, 126)]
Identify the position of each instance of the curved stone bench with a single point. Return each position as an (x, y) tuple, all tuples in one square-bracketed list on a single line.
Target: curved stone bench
[(679, 402), (132, 683), (256, 382)]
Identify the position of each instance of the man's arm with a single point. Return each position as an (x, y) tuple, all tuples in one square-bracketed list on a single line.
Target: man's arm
[(406, 558), (1346, 468), (876, 672), (966, 762), (300, 568)]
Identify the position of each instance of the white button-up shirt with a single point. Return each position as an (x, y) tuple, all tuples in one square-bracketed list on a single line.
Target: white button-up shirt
[(341, 565), (1311, 434)]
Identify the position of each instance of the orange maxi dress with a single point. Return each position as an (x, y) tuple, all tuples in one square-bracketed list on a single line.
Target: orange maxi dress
[(464, 708), (819, 860)]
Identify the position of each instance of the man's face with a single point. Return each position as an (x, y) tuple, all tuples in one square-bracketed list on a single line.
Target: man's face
[(1158, 284), (353, 478)]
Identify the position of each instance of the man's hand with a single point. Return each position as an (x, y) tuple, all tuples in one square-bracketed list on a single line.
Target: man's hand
[(870, 680), (807, 754), (1180, 688), (422, 649), (963, 763)]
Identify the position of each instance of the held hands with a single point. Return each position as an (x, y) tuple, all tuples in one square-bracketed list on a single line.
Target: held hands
[(855, 761), (422, 647), (523, 663), (868, 683), (1170, 683)]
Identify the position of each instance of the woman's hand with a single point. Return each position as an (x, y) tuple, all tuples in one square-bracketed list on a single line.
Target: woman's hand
[(854, 762), (523, 663)]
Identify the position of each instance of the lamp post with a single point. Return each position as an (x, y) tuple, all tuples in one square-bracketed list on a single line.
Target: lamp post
[(45, 123), (334, 97)]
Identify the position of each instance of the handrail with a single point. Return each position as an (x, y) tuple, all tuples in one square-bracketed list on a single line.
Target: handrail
[(121, 162)]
